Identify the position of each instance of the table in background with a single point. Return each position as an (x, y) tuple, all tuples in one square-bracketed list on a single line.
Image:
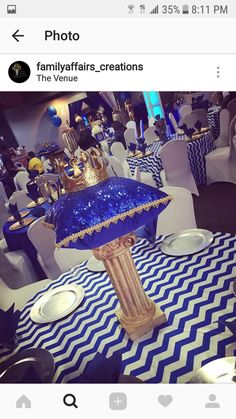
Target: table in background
[(213, 117), (197, 151), (18, 240), (194, 291)]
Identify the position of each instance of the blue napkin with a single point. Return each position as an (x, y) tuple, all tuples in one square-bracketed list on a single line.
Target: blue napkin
[(101, 370), (38, 211), (33, 174), (132, 147), (231, 326), (8, 324), (14, 211)]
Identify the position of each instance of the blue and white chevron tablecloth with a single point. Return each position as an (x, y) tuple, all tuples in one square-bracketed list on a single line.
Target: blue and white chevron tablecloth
[(213, 118), (194, 291), (197, 150)]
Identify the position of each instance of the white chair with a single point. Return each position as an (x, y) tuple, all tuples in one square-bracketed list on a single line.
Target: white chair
[(16, 269), (184, 110), (21, 179), (20, 198), (132, 124), (47, 167), (232, 108), (68, 258), (174, 122), (151, 121), (223, 139), (179, 213), (21, 296), (176, 168), (3, 193), (130, 136), (189, 120), (144, 177), (221, 163), (232, 129), (105, 146), (150, 135), (43, 240), (118, 151), (117, 167)]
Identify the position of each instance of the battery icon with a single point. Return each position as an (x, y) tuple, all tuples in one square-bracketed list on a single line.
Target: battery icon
[(185, 9)]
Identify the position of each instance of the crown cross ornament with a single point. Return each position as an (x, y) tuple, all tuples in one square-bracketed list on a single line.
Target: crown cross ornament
[(89, 169)]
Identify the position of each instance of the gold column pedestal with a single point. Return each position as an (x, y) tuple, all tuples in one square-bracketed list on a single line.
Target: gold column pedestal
[(138, 313)]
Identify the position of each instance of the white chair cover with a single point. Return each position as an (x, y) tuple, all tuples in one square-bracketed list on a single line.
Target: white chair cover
[(4, 214), (179, 213), (150, 135), (3, 193), (173, 121), (184, 110), (232, 108), (43, 240), (132, 124), (129, 136), (117, 167), (16, 269), (232, 129), (119, 151), (47, 167), (143, 177), (177, 171), (151, 121), (189, 119), (69, 258), (20, 198), (21, 179), (223, 139), (21, 296), (221, 164)]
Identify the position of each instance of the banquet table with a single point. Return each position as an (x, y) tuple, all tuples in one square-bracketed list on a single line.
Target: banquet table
[(213, 117), (194, 291), (197, 151), (18, 240)]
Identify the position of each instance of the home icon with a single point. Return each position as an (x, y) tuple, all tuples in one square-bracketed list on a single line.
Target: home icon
[(23, 402)]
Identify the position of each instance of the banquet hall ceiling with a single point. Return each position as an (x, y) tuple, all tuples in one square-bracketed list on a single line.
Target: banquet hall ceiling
[(14, 99)]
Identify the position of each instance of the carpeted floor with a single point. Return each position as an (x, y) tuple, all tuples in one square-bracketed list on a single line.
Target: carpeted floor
[(215, 207)]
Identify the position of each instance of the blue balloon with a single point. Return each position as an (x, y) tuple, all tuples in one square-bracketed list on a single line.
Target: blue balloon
[(56, 121), (51, 111)]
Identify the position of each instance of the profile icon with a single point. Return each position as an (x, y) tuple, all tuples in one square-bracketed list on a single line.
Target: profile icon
[(212, 403), (19, 71)]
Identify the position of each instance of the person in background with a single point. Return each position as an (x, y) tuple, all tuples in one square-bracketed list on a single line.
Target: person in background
[(119, 128), (35, 163), (86, 140), (9, 172)]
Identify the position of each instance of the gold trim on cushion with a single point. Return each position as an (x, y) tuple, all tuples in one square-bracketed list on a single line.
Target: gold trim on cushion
[(114, 220)]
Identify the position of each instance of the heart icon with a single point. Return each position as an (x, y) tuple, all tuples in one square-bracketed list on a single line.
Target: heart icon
[(165, 400)]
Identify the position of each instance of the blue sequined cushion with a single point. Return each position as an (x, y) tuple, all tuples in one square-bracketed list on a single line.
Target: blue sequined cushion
[(103, 212)]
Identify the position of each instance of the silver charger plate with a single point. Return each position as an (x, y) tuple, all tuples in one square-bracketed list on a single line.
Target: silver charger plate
[(234, 288), (57, 303), (220, 371), (16, 369), (187, 242), (95, 265)]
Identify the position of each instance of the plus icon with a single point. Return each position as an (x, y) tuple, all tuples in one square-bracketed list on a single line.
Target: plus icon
[(118, 401)]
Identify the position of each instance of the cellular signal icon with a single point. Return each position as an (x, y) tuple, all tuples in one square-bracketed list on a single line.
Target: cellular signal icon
[(154, 11)]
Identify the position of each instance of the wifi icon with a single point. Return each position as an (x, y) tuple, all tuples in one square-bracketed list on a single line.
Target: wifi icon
[(131, 8)]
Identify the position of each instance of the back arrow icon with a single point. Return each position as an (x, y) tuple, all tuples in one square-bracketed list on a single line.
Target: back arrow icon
[(16, 35)]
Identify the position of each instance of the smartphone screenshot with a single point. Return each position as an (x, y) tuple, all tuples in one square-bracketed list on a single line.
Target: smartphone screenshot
[(117, 209)]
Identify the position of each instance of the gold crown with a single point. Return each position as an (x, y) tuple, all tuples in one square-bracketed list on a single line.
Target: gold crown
[(92, 172)]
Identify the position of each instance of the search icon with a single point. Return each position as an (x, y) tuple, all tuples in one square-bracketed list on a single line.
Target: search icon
[(70, 400)]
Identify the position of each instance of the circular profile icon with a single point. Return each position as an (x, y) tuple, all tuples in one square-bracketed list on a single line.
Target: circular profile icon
[(19, 71)]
